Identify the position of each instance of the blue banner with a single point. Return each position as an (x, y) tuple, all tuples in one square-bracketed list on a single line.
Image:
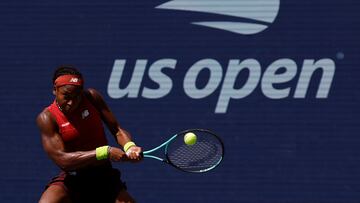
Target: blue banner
[(277, 80)]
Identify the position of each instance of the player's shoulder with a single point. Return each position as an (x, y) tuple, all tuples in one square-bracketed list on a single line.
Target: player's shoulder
[(44, 117), (46, 122), (93, 94)]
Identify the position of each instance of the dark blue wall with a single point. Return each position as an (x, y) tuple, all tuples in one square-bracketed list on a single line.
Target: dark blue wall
[(277, 150)]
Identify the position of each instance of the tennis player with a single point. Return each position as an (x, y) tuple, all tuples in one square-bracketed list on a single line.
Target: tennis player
[(73, 136)]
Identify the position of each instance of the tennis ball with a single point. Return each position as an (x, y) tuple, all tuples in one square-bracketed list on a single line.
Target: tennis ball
[(190, 138)]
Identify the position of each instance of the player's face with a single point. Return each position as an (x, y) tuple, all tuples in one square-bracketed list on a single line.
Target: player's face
[(68, 97)]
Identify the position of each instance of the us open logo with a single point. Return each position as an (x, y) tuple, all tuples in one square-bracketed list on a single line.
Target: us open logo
[(283, 78), (256, 15)]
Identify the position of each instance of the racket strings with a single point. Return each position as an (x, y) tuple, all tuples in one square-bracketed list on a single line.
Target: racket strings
[(205, 153)]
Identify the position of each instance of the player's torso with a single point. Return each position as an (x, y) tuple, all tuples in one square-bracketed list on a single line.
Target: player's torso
[(82, 129)]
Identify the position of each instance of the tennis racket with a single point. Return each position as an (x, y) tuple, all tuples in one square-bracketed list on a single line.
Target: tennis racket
[(206, 154)]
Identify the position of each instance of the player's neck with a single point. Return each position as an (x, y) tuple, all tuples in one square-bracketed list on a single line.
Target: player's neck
[(58, 106)]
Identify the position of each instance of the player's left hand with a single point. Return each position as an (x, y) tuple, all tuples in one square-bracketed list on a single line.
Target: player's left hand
[(134, 153)]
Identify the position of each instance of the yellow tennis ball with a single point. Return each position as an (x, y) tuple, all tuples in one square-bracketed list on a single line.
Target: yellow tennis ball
[(190, 138)]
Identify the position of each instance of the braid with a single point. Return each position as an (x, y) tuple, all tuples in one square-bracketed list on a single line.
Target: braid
[(65, 70)]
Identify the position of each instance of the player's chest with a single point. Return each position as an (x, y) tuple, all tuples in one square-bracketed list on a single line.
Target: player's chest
[(82, 122)]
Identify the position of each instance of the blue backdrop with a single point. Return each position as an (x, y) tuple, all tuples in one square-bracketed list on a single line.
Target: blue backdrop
[(285, 141)]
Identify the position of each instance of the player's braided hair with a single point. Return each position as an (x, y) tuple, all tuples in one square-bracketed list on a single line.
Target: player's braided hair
[(65, 70)]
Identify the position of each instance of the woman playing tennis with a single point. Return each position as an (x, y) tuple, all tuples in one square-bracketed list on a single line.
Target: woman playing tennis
[(73, 136)]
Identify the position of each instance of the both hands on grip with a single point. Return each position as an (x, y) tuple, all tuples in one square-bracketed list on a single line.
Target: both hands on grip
[(133, 154)]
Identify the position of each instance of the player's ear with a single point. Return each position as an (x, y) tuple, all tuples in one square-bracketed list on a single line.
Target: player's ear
[(54, 90)]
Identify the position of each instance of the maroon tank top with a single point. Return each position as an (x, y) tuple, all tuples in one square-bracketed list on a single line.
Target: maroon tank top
[(82, 130)]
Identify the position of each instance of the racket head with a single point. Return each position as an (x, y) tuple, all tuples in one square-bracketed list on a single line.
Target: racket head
[(205, 155)]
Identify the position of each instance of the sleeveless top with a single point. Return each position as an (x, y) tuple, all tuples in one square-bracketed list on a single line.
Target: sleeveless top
[(82, 129)]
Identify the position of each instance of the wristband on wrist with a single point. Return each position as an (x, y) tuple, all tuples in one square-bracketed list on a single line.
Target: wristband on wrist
[(128, 145), (102, 152)]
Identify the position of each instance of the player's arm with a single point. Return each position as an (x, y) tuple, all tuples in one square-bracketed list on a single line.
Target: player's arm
[(122, 136), (54, 147)]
